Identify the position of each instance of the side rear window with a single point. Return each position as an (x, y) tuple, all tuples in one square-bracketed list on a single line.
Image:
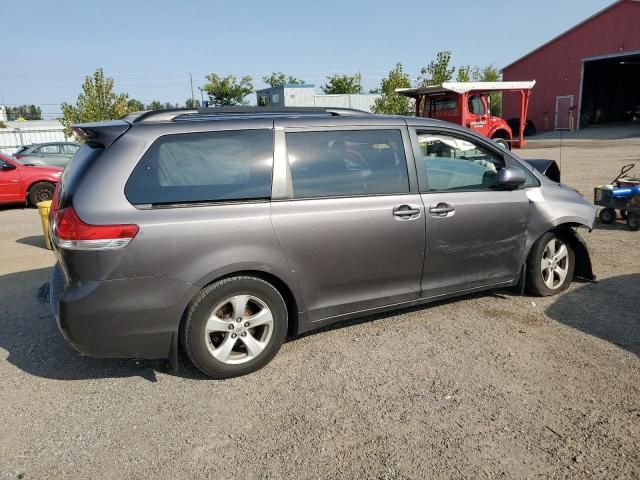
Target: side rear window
[(204, 167), (345, 163), (48, 149)]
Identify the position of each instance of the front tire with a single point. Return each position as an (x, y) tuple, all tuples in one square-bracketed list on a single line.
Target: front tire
[(41, 192), (234, 327), (550, 265)]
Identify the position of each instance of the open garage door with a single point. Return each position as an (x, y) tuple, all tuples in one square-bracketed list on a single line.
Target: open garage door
[(610, 90)]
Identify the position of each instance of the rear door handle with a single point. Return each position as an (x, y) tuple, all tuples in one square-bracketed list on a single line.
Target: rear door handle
[(406, 211), (441, 209)]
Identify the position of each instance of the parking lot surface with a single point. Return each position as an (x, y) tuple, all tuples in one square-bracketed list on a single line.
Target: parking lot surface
[(489, 385)]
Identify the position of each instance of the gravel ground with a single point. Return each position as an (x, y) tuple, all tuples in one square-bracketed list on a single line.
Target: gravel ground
[(485, 386)]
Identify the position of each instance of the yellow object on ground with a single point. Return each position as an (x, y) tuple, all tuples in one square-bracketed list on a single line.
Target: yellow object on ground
[(43, 210)]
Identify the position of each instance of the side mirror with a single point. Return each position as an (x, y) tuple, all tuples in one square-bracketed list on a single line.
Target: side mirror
[(511, 177), (7, 166)]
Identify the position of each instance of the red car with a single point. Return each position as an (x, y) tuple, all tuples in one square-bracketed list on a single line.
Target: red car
[(22, 183)]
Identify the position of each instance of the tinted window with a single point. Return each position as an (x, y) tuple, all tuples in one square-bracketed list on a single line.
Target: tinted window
[(440, 106), (476, 106), (343, 163), (69, 148), (455, 164), (204, 167), (48, 149)]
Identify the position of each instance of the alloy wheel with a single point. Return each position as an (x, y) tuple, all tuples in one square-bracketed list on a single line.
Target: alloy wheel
[(239, 329), (554, 264)]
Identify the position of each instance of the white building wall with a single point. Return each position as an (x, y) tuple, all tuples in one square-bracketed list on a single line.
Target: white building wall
[(358, 101), (299, 97)]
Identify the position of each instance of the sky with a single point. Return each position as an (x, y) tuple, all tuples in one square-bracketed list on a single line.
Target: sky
[(149, 47)]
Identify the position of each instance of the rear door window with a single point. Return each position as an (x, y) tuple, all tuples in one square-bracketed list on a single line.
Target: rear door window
[(48, 149), (336, 163), (204, 167)]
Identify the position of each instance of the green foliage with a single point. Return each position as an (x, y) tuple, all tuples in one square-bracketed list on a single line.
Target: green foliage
[(277, 79), (227, 91), (26, 112), (343, 84), (464, 73), (490, 73), (135, 105), (155, 105), (191, 103), (158, 105), (390, 102), (438, 71), (97, 102), (2, 124)]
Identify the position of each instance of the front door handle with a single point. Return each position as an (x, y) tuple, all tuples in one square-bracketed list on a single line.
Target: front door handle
[(441, 209), (406, 211)]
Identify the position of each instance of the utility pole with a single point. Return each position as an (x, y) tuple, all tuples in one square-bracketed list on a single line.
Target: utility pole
[(193, 99)]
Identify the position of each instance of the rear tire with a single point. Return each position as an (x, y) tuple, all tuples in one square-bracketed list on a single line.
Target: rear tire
[(550, 265), (607, 216), (633, 221), (41, 192), (234, 327)]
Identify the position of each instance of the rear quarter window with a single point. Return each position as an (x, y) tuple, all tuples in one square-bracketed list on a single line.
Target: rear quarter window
[(204, 167)]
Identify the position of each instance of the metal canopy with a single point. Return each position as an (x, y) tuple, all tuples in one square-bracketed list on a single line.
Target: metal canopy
[(464, 87)]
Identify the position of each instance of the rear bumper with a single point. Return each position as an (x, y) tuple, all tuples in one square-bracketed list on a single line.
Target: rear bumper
[(128, 318)]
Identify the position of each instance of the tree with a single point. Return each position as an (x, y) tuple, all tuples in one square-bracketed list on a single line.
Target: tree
[(464, 73), (490, 73), (438, 71), (190, 103), (135, 105), (154, 105), (97, 102), (26, 112), (390, 102), (278, 79), (227, 91), (343, 84)]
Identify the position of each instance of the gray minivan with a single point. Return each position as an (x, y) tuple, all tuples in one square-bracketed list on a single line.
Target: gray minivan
[(220, 231)]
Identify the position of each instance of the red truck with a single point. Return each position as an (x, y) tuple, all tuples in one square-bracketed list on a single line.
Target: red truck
[(24, 183), (468, 104)]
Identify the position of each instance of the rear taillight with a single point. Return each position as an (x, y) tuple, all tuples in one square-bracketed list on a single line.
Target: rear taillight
[(69, 232)]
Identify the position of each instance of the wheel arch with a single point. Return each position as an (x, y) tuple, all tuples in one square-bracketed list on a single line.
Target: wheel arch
[(278, 283), (568, 230), (501, 132)]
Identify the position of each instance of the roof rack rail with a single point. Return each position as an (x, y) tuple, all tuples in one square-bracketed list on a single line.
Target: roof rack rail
[(168, 115), (162, 115)]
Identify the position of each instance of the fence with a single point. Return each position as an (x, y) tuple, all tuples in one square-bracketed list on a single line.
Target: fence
[(13, 138)]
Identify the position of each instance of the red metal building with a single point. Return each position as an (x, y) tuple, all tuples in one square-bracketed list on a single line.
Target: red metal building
[(588, 75)]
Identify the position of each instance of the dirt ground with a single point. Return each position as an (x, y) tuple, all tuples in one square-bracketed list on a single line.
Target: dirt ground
[(491, 385)]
